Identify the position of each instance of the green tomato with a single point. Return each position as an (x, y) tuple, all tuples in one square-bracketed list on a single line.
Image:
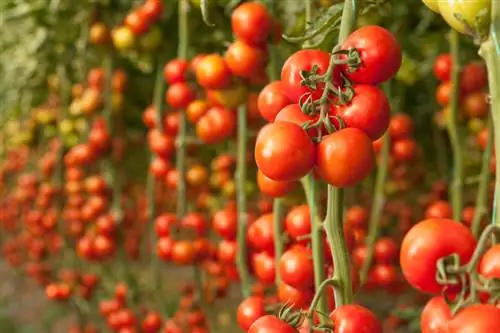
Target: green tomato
[(151, 40), (467, 16), (432, 4)]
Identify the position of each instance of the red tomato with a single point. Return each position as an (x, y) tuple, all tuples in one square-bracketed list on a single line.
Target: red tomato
[(385, 250), (439, 210), (182, 252), (475, 105), (476, 318), (284, 151), (297, 268), (355, 318), (216, 125), (293, 114), (179, 95), (298, 223), (400, 126), (345, 157), (473, 77), (369, 111), (380, 54), (244, 60), (442, 67), (443, 93), (435, 316), (249, 310), (298, 298), (152, 9), (273, 188), (163, 223), (356, 216), (260, 234), (152, 322), (251, 23), (296, 64), (426, 243), (383, 275), (271, 324), (489, 266), (175, 71), (196, 222), (272, 99), (137, 22), (226, 251), (212, 72), (264, 267), (404, 150), (225, 223)]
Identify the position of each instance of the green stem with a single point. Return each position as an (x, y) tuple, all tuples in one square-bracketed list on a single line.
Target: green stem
[(484, 182), (378, 202), (456, 185), (309, 185), (278, 235), (241, 171)]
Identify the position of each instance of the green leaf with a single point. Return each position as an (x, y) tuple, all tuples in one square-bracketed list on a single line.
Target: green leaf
[(324, 26)]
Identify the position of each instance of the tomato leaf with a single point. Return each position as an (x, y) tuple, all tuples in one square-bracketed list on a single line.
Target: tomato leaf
[(326, 24)]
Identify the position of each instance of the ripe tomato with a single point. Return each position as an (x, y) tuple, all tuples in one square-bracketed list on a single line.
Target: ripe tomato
[(426, 243), (298, 223), (212, 72), (226, 251), (442, 67), (284, 151), (260, 234), (476, 318), (305, 60), (400, 126), (272, 99), (296, 267), (476, 105), (152, 322), (251, 23), (163, 223), (293, 114), (161, 144), (404, 150), (475, 14), (383, 275), (98, 34), (196, 222), (152, 9), (225, 223), (356, 217), (244, 60), (271, 324), (137, 22), (182, 252), (264, 267), (489, 266), (230, 97), (385, 250), (249, 310), (345, 157), (439, 210), (175, 71), (355, 318), (369, 111), (443, 93), (196, 109), (179, 95), (217, 124), (435, 316), (298, 298), (473, 77), (380, 54), (273, 188)]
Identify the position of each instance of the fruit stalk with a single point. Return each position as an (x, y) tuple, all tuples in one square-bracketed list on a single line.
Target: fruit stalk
[(241, 174), (278, 232), (456, 185)]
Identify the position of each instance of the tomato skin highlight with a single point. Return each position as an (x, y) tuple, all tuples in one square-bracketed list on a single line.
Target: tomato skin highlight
[(426, 243), (435, 316), (345, 157), (369, 111), (380, 55)]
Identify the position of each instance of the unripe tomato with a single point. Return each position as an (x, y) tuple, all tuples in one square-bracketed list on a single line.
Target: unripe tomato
[(474, 14), (123, 38), (252, 23), (272, 98), (151, 40), (230, 97), (284, 151), (345, 157), (244, 60)]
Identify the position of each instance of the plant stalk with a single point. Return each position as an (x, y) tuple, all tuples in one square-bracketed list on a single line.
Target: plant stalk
[(278, 235)]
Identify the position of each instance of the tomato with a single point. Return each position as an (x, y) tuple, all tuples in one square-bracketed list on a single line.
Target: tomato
[(476, 105), (379, 52), (230, 97), (443, 93), (369, 111), (296, 267), (272, 99), (426, 243), (383, 275), (96, 78), (385, 250), (293, 114), (159, 167), (152, 10), (298, 298), (404, 150), (435, 316), (196, 109), (212, 72), (98, 34), (432, 4), (439, 210), (251, 23), (225, 223), (273, 188), (264, 267), (298, 223), (356, 216), (216, 125), (175, 71), (182, 252), (179, 95), (345, 157), (260, 234), (400, 126), (489, 266), (161, 144), (196, 222), (442, 67), (476, 318), (284, 151), (271, 324), (473, 77), (249, 310), (137, 22), (244, 60), (226, 251), (355, 318), (474, 14), (197, 176), (296, 64), (152, 322)]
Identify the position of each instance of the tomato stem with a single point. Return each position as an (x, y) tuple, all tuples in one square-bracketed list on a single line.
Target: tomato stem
[(378, 200), (456, 184), (241, 174), (484, 181), (278, 236)]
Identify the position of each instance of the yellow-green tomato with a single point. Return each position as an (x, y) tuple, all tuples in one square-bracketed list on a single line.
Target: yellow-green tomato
[(467, 16), (432, 4), (123, 38), (151, 40)]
